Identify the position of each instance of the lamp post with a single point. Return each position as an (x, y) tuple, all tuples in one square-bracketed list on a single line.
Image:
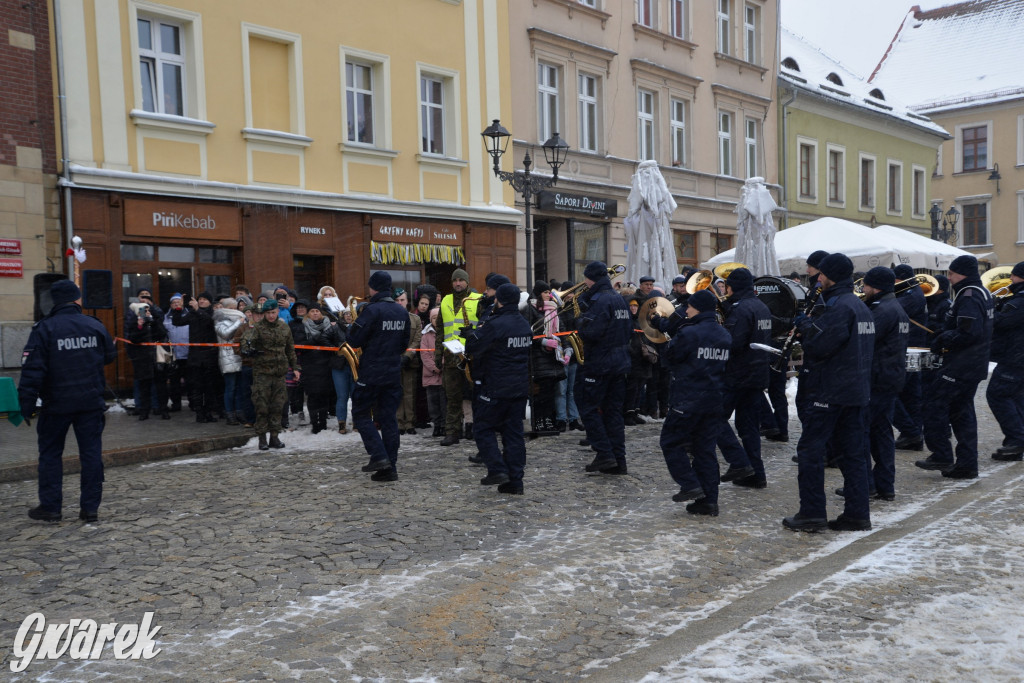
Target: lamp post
[(524, 182), (948, 230)]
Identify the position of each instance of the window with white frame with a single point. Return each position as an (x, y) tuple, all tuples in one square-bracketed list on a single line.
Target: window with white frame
[(975, 223), (867, 182), (645, 10), (359, 108), (894, 188), (752, 33), (645, 124), (678, 19), (587, 95), (750, 137), (836, 175), (432, 114), (1020, 140), (723, 22), (162, 66), (918, 191), (589, 3), (807, 154), (677, 127), (547, 100), (1020, 217), (725, 143)]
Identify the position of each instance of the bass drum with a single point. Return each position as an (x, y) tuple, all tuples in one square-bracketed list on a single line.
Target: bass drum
[(784, 299)]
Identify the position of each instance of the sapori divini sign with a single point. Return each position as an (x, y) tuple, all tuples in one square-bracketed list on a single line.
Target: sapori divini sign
[(407, 231), (578, 203), (150, 218)]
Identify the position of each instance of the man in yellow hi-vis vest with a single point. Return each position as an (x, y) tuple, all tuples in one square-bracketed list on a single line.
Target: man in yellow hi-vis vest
[(458, 311)]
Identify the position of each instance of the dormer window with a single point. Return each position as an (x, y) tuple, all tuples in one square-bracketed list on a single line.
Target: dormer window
[(834, 78), (791, 64), (877, 94)]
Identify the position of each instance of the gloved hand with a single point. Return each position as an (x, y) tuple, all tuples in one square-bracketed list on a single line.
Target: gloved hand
[(405, 362), (549, 343), (26, 413), (800, 319), (939, 343), (465, 331)]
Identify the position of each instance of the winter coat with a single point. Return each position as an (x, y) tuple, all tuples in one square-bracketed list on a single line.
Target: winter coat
[(316, 364), (545, 364), (176, 335), (143, 357), (226, 322), (938, 306), (272, 346), (500, 349), (1008, 331), (382, 332), (840, 344), (415, 338), (967, 333), (605, 328), (892, 333), (639, 366), (696, 356), (63, 363), (200, 331), (748, 320), (914, 303), (431, 371)]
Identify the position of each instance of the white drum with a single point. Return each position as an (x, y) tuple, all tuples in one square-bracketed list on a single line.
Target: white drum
[(919, 359)]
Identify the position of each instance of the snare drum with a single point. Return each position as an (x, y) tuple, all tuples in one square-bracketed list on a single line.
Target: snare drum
[(915, 359), (784, 299)]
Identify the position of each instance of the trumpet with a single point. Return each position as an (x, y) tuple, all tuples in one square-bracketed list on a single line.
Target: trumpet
[(559, 296)]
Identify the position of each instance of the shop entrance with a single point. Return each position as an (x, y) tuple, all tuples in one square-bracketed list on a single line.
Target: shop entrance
[(310, 274)]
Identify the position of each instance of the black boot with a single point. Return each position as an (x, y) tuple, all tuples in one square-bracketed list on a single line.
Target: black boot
[(469, 431), (263, 442), (450, 440), (274, 441), (438, 430)]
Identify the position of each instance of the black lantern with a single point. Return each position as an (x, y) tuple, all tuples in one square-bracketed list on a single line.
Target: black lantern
[(496, 140), (555, 151)]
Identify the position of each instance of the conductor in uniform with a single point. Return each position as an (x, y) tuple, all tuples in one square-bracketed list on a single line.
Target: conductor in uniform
[(500, 351), (605, 329), (964, 345), (1006, 388), (382, 332), (696, 357), (839, 343), (63, 365)]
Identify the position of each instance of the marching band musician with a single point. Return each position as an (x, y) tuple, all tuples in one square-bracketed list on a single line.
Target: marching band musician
[(500, 349), (839, 343), (888, 372), (485, 307), (813, 261), (696, 357), (748, 320), (964, 345), (382, 332), (605, 329), (907, 416), (1006, 388)]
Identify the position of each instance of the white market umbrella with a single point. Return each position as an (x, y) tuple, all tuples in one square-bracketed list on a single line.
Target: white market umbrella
[(649, 246), (755, 237), (919, 251)]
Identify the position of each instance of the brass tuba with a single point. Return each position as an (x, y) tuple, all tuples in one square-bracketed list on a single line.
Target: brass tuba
[(997, 280), (350, 354)]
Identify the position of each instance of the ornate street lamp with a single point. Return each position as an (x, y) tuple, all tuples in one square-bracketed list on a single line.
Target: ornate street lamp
[(496, 139), (947, 233)]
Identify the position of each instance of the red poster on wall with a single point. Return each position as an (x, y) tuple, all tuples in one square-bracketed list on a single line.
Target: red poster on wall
[(10, 246), (11, 267)]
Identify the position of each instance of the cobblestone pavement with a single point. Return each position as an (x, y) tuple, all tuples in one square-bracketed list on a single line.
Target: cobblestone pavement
[(285, 564)]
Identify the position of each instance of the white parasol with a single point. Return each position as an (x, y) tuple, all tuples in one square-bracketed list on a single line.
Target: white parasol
[(755, 239), (650, 249)]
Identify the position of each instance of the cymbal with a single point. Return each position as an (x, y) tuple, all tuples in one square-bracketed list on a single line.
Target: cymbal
[(659, 305)]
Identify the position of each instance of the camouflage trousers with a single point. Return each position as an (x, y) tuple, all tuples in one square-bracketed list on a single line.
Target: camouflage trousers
[(268, 397)]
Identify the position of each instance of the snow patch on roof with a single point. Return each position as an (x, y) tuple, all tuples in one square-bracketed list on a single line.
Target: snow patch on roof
[(960, 55), (808, 66)]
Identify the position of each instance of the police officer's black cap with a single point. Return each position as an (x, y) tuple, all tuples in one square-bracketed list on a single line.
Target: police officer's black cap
[(703, 300), (965, 265), (64, 292), (495, 280), (380, 281), (507, 294), (679, 280), (836, 267), (740, 280), (903, 272), (1018, 270), (815, 259), (881, 278), (943, 283), (595, 270)]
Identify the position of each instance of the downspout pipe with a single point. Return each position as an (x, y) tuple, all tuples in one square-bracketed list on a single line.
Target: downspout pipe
[(785, 168), (65, 171)]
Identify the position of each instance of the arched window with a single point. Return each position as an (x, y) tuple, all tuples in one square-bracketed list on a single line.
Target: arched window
[(834, 78), (877, 94)]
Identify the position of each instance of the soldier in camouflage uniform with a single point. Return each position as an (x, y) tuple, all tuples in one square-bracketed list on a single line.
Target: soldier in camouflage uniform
[(269, 344)]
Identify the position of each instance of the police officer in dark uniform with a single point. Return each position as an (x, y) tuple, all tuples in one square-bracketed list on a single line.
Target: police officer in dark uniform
[(938, 304), (1006, 387), (382, 332), (500, 349), (888, 370), (748, 321), (485, 309), (964, 345), (839, 343), (696, 357), (907, 416), (605, 329), (813, 287), (63, 365)]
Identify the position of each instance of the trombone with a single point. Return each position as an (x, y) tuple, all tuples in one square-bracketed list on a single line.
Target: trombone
[(928, 284), (559, 297), (350, 354)]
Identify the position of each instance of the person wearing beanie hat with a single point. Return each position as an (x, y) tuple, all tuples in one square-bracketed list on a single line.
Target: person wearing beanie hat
[(202, 370), (459, 315), (500, 349), (485, 305), (908, 417), (838, 344), (813, 261), (62, 364), (1005, 389), (546, 355), (748, 321), (888, 372), (963, 342), (605, 329), (382, 331), (271, 346), (316, 329), (696, 355)]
